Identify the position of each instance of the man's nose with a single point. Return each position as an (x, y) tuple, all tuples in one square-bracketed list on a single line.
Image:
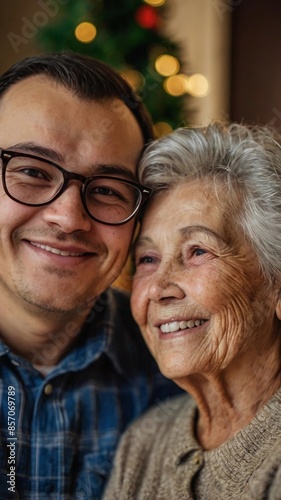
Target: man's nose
[(68, 211)]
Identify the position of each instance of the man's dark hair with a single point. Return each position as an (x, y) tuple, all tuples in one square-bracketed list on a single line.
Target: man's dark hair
[(86, 77)]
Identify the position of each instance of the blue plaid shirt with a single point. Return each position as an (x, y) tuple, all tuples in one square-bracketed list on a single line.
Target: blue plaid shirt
[(59, 433)]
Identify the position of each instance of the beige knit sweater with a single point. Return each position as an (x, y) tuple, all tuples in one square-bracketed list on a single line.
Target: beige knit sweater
[(160, 459)]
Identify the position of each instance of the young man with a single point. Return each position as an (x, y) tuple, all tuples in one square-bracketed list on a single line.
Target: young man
[(74, 370)]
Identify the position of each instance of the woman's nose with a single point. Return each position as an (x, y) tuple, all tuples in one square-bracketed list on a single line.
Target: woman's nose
[(165, 285), (68, 212)]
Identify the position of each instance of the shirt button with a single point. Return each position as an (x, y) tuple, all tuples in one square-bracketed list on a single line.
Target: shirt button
[(196, 459), (48, 389)]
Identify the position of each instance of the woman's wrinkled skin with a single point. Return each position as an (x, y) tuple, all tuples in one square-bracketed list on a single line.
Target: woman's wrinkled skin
[(208, 315)]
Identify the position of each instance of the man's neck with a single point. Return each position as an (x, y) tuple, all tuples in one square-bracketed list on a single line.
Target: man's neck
[(41, 338)]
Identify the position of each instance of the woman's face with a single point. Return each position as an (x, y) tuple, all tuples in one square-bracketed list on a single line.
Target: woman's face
[(198, 294)]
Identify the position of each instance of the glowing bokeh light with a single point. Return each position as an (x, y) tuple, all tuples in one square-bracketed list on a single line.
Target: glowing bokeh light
[(155, 3), (197, 85), (85, 32), (167, 65), (162, 128), (176, 85), (147, 17), (134, 78)]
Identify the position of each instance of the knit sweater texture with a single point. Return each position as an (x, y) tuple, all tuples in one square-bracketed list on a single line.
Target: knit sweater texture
[(159, 458)]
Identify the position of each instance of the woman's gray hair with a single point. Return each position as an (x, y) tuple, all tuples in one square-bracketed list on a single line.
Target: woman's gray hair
[(245, 160)]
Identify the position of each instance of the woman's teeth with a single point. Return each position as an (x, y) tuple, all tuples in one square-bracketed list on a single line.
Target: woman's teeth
[(174, 326)]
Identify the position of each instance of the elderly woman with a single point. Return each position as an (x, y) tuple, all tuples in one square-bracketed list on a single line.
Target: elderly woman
[(206, 295)]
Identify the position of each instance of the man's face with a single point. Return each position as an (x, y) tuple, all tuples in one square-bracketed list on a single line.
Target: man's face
[(86, 137)]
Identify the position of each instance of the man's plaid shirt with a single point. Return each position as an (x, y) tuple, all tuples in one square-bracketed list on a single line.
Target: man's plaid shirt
[(68, 424)]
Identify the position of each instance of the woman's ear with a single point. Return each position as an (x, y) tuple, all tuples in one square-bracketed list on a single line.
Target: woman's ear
[(278, 306)]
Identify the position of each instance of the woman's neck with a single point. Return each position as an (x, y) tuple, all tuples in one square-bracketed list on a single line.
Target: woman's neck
[(229, 400)]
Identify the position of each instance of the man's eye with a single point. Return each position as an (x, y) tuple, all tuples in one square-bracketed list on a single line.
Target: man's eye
[(103, 190), (106, 192), (34, 172)]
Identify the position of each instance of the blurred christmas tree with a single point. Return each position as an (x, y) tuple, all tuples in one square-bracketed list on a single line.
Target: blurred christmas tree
[(128, 35)]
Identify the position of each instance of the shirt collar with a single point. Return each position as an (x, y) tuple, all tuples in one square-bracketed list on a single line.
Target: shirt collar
[(108, 331), (98, 335), (4, 349), (124, 346)]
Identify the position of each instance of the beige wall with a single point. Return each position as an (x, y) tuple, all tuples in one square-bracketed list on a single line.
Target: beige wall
[(203, 29)]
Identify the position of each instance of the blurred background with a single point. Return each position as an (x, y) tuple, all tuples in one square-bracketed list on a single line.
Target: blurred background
[(191, 61)]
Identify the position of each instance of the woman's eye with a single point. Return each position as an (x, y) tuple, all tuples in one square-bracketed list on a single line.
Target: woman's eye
[(146, 260), (199, 251)]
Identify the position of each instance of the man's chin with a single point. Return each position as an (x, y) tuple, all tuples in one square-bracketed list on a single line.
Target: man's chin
[(56, 307)]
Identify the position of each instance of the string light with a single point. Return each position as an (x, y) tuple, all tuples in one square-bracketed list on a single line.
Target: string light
[(85, 32), (167, 65), (134, 78), (155, 3), (147, 17), (162, 128), (176, 85), (197, 85)]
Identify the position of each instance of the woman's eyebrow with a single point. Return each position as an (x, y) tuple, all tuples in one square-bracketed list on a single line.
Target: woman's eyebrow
[(140, 242), (187, 232), (184, 232)]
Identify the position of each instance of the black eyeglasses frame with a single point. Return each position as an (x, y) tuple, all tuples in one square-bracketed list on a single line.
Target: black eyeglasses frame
[(6, 155)]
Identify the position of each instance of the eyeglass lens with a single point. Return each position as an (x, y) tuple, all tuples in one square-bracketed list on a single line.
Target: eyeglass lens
[(36, 182)]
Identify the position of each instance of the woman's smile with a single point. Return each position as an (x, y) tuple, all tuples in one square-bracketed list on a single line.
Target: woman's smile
[(196, 284), (178, 326)]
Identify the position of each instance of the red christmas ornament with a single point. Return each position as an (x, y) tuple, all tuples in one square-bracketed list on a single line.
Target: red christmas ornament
[(147, 17)]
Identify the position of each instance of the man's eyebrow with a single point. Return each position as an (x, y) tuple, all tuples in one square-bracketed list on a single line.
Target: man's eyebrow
[(36, 149), (118, 170), (189, 230), (55, 156)]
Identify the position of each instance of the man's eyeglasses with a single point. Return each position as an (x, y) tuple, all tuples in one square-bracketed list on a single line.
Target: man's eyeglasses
[(32, 181)]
